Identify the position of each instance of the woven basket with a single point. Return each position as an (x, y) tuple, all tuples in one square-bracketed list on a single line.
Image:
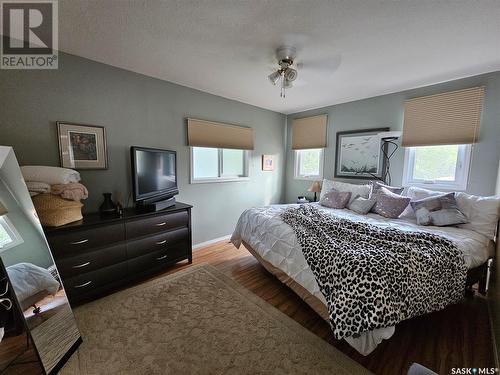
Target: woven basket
[(54, 211)]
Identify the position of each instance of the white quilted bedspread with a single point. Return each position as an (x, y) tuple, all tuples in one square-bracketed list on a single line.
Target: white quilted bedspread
[(275, 241)]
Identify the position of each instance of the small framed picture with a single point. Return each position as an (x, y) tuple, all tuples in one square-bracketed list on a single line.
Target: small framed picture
[(82, 146), (268, 162)]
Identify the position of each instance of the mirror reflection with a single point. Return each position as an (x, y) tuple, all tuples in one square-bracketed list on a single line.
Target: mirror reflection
[(34, 311)]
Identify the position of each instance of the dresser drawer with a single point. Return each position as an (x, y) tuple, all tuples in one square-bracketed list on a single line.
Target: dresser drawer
[(157, 242), (91, 280), (156, 224), (91, 238), (86, 261), (157, 258)]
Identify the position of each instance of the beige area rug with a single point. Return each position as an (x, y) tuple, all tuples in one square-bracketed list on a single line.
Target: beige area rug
[(197, 321)]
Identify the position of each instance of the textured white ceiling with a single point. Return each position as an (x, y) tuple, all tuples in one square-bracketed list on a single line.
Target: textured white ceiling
[(226, 47)]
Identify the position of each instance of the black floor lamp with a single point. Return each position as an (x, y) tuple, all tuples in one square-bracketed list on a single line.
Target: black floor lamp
[(388, 139)]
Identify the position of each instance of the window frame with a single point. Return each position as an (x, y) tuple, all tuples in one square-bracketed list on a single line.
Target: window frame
[(296, 166), (11, 230), (221, 177), (461, 176)]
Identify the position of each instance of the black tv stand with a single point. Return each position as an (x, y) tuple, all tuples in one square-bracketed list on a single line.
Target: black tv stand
[(112, 252), (155, 206)]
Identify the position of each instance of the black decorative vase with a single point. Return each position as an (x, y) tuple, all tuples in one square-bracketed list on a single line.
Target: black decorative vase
[(108, 207)]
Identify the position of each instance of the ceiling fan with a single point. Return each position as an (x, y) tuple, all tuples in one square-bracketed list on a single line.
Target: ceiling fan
[(287, 73)]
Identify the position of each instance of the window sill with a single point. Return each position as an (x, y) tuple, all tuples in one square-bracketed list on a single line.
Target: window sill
[(218, 180), (307, 178)]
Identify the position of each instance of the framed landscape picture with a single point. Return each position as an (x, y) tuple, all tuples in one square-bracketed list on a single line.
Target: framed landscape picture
[(268, 162), (82, 146), (359, 154)]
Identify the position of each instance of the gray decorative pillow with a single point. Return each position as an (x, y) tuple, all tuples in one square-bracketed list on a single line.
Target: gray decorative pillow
[(335, 199), (362, 190), (361, 205), (389, 204), (440, 211), (393, 189)]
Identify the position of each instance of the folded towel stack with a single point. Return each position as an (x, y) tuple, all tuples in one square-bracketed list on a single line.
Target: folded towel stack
[(52, 189), (49, 175), (35, 187), (74, 191), (58, 181)]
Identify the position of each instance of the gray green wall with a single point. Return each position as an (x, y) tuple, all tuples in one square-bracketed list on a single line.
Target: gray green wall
[(387, 111), (142, 111)]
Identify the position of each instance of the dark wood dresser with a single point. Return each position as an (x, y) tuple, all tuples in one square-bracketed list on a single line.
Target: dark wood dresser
[(97, 255)]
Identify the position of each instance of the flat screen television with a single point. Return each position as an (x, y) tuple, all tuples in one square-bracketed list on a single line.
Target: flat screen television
[(154, 174)]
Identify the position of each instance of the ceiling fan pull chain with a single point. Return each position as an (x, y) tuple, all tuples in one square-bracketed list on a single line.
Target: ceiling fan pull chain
[(283, 85)]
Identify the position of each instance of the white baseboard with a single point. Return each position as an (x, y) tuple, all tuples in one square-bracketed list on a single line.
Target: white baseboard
[(210, 242)]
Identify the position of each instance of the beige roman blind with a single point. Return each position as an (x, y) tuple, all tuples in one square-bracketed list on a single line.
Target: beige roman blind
[(309, 132), (203, 133), (443, 119)]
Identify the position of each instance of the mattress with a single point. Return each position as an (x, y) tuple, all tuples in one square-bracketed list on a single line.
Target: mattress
[(276, 243)]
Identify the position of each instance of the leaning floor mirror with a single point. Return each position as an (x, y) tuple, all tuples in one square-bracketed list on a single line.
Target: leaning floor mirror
[(38, 331)]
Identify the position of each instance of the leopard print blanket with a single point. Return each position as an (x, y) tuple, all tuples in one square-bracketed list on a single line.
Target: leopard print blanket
[(376, 277)]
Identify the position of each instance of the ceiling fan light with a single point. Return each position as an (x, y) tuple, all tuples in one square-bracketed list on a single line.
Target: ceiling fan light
[(288, 84), (290, 74), (274, 77)]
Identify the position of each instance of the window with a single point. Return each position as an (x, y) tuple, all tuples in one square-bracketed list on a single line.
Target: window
[(8, 234), (218, 164), (444, 167), (309, 164)]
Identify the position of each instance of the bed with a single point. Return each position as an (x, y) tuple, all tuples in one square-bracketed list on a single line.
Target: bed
[(274, 243), (31, 283)]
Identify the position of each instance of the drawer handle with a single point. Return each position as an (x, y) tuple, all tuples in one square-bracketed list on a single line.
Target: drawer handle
[(161, 258), (6, 303), (161, 224), (6, 289), (82, 285), (79, 242), (81, 265), (161, 242)]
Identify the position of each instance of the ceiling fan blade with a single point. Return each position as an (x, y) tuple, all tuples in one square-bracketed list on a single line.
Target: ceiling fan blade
[(323, 66), (299, 83)]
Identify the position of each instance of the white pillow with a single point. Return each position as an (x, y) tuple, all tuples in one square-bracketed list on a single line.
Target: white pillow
[(482, 212), (356, 190), (421, 193)]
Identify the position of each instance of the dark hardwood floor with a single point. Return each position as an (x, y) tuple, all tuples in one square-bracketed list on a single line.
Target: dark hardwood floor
[(458, 336)]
